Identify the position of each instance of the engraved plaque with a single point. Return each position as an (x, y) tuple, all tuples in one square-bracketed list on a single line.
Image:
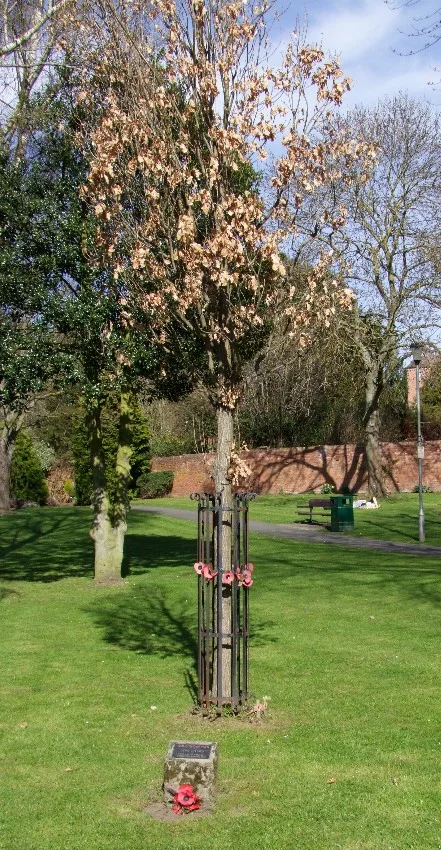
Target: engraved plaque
[(190, 750)]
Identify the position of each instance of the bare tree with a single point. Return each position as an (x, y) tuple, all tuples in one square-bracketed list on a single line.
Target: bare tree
[(32, 38), (392, 224), (425, 28)]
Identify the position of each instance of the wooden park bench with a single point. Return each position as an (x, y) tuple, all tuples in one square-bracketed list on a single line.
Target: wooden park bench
[(320, 507)]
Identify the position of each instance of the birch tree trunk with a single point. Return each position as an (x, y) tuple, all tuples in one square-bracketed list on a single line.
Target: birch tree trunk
[(110, 519), (371, 421)]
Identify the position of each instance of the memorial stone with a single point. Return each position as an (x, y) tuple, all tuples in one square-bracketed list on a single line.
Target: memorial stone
[(191, 763)]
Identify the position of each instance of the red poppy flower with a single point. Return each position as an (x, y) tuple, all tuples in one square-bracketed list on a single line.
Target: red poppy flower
[(185, 798), (227, 577), (247, 580), (208, 572), (182, 793), (199, 566)]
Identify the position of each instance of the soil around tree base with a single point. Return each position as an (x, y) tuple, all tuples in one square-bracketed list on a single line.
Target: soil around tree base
[(163, 812)]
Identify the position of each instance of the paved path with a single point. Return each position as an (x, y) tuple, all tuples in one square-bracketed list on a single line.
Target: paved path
[(310, 534)]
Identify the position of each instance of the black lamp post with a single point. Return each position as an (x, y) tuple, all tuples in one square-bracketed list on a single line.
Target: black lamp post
[(417, 353)]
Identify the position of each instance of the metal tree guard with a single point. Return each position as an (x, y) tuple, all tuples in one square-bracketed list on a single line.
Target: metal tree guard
[(213, 516)]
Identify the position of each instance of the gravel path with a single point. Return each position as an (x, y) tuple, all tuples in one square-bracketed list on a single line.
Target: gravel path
[(309, 533)]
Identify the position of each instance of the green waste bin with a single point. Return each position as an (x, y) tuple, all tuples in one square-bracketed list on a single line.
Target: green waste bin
[(342, 511)]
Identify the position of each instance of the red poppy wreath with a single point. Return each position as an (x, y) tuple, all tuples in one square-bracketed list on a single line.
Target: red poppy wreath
[(185, 800)]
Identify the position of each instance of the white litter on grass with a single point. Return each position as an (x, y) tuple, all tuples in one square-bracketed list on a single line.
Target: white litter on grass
[(366, 504)]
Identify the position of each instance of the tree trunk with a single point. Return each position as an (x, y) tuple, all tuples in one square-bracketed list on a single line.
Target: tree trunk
[(222, 483), (9, 427), (5, 471), (110, 520), (108, 541), (371, 421)]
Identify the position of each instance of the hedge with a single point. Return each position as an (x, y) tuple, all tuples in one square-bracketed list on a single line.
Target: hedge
[(154, 485)]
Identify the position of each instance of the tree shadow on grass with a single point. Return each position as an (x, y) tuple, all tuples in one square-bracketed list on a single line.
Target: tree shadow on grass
[(405, 525), (333, 572), (152, 623), (50, 544), (46, 544), (145, 551)]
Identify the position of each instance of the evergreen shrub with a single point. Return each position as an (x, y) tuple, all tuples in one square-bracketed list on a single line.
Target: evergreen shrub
[(28, 483), (154, 485)]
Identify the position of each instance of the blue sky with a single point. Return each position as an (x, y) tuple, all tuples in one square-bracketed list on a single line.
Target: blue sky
[(364, 33)]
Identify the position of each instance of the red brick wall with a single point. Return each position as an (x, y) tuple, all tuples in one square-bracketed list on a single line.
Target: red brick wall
[(302, 470)]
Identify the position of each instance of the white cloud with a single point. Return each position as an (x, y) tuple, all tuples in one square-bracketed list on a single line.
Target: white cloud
[(352, 32), (371, 84)]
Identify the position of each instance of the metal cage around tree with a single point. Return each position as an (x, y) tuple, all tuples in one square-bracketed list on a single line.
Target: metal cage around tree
[(224, 580)]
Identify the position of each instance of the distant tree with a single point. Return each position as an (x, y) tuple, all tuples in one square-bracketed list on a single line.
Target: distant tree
[(388, 245), (184, 426), (314, 395), (52, 419)]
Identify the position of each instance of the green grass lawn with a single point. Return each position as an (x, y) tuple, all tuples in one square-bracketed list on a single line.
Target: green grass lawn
[(396, 519), (345, 642)]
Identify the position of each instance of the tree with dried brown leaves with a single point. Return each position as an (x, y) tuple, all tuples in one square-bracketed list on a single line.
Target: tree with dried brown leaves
[(189, 107)]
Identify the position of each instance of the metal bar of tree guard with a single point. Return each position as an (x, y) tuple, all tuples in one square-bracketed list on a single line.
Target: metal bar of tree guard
[(208, 592), (219, 611), (234, 602), (201, 607), (245, 626), (211, 637)]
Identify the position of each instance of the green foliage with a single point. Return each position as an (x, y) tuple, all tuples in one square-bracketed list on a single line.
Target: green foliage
[(88, 309), (327, 488), (154, 485), (25, 348), (110, 429), (45, 454), (53, 419), (182, 427), (82, 464), (393, 407), (69, 487), (27, 478), (431, 403), (163, 445), (424, 489)]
